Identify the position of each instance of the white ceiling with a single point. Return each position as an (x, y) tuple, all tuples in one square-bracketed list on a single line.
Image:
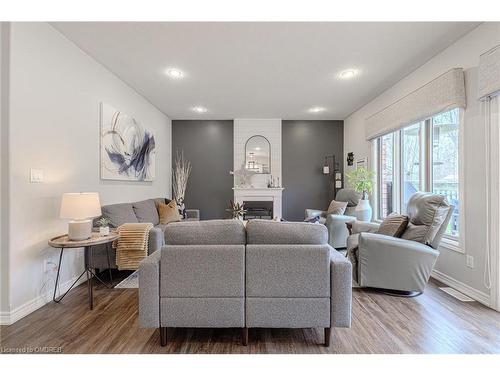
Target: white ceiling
[(262, 70)]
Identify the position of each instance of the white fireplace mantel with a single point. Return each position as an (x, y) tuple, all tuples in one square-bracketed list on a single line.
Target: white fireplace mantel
[(260, 194)]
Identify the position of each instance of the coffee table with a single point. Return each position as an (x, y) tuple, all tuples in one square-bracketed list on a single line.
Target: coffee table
[(63, 243)]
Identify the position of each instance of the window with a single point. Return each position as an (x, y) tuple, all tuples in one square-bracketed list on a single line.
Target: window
[(410, 146), (386, 169), (421, 157), (444, 174)]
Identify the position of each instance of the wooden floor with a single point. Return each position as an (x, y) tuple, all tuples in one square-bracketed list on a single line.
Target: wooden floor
[(431, 323)]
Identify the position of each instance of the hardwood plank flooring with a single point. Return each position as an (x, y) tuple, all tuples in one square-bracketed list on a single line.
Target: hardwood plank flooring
[(431, 323)]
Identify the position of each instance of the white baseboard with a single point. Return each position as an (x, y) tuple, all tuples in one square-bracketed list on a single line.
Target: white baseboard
[(475, 294), (27, 308)]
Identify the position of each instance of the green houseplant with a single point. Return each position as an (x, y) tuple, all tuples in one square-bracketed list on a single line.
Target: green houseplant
[(103, 226), (361, 180)]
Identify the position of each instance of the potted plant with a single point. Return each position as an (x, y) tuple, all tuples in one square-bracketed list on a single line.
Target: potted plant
[(237, 210), (361, 180), (103, 226)]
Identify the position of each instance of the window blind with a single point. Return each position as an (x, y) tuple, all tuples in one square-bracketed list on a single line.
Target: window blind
[(489, 73), (443, 93)]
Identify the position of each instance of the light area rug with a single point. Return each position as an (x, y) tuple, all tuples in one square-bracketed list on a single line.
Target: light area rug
[(131, 282)]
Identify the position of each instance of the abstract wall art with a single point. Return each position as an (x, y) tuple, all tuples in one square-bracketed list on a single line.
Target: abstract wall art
[(127, 148)]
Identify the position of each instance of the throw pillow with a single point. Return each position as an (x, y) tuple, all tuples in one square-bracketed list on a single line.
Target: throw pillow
[(168, 212), (336, 208), (312, 219), (393, 225)]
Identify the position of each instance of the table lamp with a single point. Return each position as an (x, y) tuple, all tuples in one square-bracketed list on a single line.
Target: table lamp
[(80, 208)]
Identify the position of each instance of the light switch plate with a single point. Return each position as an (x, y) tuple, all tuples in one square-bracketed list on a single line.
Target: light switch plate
[(36, 175), (470, 261)]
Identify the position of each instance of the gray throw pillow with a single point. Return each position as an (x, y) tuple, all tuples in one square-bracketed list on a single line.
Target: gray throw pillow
[(393, 225), (336, 208)]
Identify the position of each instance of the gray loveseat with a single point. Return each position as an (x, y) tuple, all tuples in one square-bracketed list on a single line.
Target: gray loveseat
[(136, 212), (216, 273)]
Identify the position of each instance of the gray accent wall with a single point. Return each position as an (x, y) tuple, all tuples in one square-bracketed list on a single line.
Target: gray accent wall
[(208, 145), (305, 145)]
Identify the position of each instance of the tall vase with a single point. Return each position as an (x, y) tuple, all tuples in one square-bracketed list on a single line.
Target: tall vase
[(364, 210)]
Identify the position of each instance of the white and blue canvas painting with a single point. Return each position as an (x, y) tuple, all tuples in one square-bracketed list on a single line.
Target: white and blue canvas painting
[(127, 148)]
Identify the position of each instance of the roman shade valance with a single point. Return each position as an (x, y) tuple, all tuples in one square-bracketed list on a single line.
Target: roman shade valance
[(489, 73), (443, 93)]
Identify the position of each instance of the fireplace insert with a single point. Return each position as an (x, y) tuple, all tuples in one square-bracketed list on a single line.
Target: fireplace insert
[(258, 210)]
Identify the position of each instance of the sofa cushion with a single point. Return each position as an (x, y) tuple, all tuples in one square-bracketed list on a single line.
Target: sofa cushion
[(350, 196), (119, 214), (274, 232), (427, 213), (393, 225), (279, 271), (161, 200), (207, 232), (146, 211), (168, 212)]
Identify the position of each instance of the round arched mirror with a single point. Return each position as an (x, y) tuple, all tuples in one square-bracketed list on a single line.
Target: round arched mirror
[(258, 155)]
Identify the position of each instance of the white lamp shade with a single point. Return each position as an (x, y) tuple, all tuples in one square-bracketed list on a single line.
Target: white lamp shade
[(80, 206)]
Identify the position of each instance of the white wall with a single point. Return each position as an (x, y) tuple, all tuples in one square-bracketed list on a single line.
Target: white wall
[(4, 158), (269, 128), (465, 54), (55, 93)]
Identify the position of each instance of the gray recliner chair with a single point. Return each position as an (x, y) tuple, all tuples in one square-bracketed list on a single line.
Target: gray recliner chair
[(403, 265), (337, 230)]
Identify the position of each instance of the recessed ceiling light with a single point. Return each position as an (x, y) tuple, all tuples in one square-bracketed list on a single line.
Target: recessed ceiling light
[(175, 73), (316, 109), (348, 74), (199, 109)]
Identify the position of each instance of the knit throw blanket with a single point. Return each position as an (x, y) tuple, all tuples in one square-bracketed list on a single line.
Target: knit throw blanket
[(132, 246)]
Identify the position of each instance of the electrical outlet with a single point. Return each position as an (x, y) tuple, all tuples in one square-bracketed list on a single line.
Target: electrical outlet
[(470, 261)]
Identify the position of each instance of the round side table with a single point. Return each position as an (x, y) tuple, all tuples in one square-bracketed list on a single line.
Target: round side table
[(63, 243)]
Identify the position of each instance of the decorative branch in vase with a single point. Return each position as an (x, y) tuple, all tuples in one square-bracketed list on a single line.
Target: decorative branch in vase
[(361, 180), (180, 176)]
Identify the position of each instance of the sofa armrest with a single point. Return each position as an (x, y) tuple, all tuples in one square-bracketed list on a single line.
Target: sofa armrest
[(364, 227), (156, 240), (192, 214), (312, 213), (149, 291), (337, 229), (340, 290), (394, 263)]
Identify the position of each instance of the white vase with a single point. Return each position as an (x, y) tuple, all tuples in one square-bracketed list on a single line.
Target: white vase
[(104, 231), (364, 210)]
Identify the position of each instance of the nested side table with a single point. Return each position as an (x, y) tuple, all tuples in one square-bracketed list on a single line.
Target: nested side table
[(63, 243)]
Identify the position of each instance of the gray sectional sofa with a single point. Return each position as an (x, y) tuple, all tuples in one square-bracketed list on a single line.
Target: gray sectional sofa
[(136, 212), (218, 273)]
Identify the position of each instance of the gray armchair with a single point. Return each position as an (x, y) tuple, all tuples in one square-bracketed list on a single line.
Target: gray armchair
[(337, 230), (403, 265)]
